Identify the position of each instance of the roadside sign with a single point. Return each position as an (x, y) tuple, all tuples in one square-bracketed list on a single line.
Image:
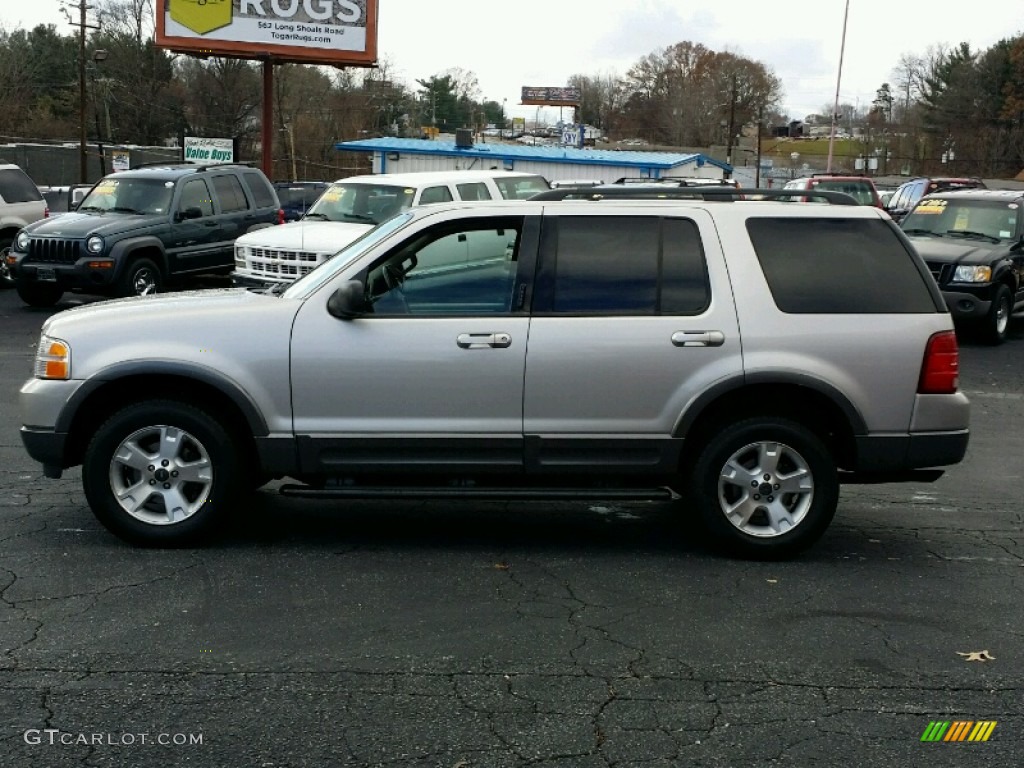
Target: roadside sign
[(120, 160)]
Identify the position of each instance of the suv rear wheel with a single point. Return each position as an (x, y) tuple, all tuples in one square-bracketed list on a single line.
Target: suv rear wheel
[(766, 487), (161, 473), (38, 294)]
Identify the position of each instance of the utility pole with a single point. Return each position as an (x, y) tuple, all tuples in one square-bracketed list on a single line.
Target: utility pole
[(732, 125), (82, 25)]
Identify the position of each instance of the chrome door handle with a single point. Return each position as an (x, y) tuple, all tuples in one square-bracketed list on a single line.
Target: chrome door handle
[(698, 338), (483, 340)]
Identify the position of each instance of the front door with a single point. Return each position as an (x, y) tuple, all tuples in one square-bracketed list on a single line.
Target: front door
[(432, 378)]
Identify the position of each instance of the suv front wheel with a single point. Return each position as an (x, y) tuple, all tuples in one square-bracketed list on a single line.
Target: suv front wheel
[(6, 281), (161, 473), (996, 325), (141, 277), (766, 487)]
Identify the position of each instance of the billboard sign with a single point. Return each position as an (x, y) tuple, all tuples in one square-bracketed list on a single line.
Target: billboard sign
[(120, 160), (309, 31), (551, 97), (209, 151)]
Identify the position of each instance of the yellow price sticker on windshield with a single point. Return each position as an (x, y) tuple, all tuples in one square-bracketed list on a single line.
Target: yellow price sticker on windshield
[(106, 188), (332, 195), (961, 219), (930, 206)]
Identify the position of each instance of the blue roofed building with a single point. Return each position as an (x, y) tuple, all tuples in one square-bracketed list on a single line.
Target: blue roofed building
[(555, 163)]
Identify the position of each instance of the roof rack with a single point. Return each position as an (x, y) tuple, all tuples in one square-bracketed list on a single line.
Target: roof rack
[(187, 164), (723, 193)]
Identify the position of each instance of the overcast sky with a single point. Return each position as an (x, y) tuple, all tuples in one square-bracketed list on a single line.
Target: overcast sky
[(512, 43)]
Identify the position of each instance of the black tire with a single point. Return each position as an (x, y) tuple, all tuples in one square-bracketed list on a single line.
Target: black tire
[(996, 325), (202, 443), (38, 294), (6, 281), (140, 277), (749, 446)]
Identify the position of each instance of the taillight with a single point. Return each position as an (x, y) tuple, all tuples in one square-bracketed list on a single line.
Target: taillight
[(280, 215), (46, 212), (940, 371)]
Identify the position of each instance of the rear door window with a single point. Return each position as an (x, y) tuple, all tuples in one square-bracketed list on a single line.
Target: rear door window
[(622, 265), (435, 195), (475, 190), (839, 266)]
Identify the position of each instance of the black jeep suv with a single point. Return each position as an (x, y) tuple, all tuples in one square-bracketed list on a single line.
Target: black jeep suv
[(138, 230), (973, 244)]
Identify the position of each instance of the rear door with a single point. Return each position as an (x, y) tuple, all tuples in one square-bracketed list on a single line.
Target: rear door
[(633, 317), (234, 218)]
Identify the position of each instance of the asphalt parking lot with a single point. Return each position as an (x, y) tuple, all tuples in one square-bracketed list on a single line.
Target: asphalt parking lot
[(486, 635)]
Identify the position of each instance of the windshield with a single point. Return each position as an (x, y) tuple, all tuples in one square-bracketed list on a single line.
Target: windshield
[(152, 196), (942, 216), (370, 203), (861, 192), (521, 187), (306, 285)]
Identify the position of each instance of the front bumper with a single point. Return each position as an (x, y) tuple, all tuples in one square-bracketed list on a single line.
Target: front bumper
[(48, 447), (968, 303), (243, 280), (66, 276)]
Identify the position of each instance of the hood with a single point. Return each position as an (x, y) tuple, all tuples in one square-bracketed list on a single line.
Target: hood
[(80, 225), (219, 329), (316, 236), (957, 250)]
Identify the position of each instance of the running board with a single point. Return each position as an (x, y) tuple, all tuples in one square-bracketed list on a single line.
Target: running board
[(479, 494)]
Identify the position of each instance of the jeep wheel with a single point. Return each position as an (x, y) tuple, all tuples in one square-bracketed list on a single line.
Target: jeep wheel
[(766, 487), (140, 278), (996, 325), (6, 281), (161, 473), (38, 294)]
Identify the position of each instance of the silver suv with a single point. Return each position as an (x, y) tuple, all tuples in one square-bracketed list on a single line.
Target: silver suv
[(21, 203), (740, 357)]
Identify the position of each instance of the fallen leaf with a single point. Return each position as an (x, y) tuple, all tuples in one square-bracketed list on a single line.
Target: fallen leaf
[(501, 566), (976, 656), (772, 581)]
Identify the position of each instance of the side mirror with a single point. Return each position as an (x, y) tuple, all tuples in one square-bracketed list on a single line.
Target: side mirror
[(349, 301), (189, 213)]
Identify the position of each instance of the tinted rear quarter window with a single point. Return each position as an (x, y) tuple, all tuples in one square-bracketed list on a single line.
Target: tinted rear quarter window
[(17, 187), (839, 266), (229, 192), (262, 193)]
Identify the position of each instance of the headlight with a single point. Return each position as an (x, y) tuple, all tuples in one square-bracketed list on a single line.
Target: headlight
[(240, 254), (22, 241), (94, 244), (973, 274), (53, 359)]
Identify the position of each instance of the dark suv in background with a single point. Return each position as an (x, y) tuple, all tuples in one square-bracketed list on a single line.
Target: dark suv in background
[(973, 244), (909, 192), (137, 230), (297, 197)]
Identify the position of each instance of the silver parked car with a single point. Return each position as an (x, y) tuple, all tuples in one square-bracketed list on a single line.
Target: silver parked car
[(741, 357)]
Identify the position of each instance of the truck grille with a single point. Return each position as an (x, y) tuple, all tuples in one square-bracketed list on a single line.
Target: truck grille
[(51, 251), (271, 262), (941, 272)]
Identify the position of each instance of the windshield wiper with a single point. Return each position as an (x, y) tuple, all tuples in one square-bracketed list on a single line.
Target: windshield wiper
[(360, 217), (917, 231), (317, 216), (90, 208), (124, 209), (972, 233)]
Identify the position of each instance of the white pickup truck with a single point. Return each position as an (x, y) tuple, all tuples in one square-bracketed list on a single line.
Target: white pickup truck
[(350, 207)]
